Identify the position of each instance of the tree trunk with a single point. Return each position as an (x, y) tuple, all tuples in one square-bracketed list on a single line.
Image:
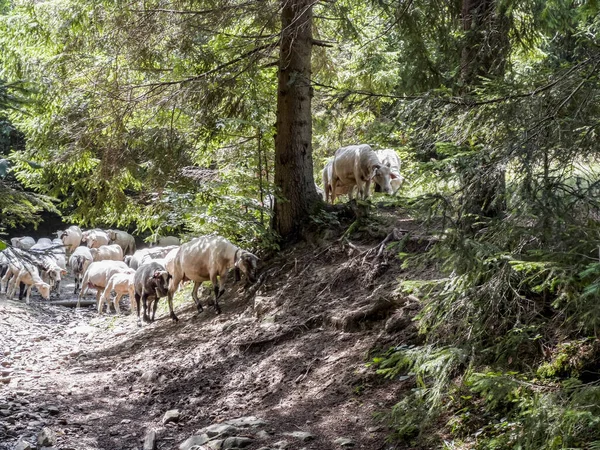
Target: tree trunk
[(293, 141), (483, 55)]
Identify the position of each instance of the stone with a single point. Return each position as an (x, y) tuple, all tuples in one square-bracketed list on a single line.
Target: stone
[(263, 435), (46, 438), (53, 410), (171, 415), (236, 442), (150, 440), (196, 440), (23, 445), (344, 442), (282, 445), (247, 422), (220, 429), (125, 421), (149, 376), (304, 436), (215, 444)]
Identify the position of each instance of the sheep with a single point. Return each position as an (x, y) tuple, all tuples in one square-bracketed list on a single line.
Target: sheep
[(95, 238), (164, 241), (112, 252), (123, 239), (357, 165), (97, 275), (51, 262), (71, 237), (209, 258), (79, 261), (328, 187), (389, 158), (151, 282), (27, 274), (121, 283), (147, 254), (23, 243)]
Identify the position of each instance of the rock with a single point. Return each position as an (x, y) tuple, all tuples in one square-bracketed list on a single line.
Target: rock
[(263, 435), (46, 438), (215, 444), (304, 436), (171, 416), (344, 442), (236, 442), (53, 410), (149, 376), (23, 445), (5, 412), (196, 440), (5, 380), (150, 440), (282, 445), (220, 429), (247, 422), (125, 421)]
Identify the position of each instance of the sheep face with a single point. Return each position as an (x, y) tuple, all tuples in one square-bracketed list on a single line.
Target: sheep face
[(248, 265), (160, 281), (44, 290), (381, 176)]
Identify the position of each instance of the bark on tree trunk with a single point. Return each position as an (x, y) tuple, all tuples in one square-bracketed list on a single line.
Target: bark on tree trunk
[(293, 141)]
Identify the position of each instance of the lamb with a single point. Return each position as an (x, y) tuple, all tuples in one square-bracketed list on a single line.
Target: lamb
[(123, 239), (151, 282), (97, 275), (71, 237), (96, 238), (209, 258), (357, 165), (328, 187), (23, 243), (79, 261), (112, 252), (122, 284), (389, 157)]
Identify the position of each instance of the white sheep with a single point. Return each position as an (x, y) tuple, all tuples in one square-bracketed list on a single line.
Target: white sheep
[(112, 252), (96, 238), (27, 274), (209, 258), (123, 239), (23, 243), (71, 237), (97, 275), (122, 284), (389, 158), (358, 165)]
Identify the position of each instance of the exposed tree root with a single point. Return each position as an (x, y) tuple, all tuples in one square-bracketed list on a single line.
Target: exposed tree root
[(285, 335), (376, 310)]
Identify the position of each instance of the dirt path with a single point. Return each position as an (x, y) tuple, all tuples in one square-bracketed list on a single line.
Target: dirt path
[(103, 382)]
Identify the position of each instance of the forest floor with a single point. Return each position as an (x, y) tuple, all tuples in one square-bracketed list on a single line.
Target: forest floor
[(293, 353)]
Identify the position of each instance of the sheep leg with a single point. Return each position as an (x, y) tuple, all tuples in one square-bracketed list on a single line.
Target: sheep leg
[(218, 292), (170, 302), (116, 303), (155, 301), (195, 295), (28, 294), (145, 306), (77, 281), (367, 189), (21, 290), (137, 307)]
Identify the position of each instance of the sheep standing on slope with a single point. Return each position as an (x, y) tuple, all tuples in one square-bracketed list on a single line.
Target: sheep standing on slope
[(327, 183), (358, 165), (389, 158), (71, 237), (79, 261), (209, 258), (151, 282)]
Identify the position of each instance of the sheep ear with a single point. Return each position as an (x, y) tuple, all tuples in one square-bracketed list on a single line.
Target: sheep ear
[(156, 274), (393, 176)]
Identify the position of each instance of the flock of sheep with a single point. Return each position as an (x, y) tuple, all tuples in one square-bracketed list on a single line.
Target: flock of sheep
[(106, 260)]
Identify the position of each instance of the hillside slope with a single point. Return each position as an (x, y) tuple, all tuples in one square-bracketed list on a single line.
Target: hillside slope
[(292, 353)]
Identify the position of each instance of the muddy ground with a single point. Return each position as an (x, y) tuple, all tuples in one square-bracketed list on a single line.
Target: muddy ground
[(292, 353)]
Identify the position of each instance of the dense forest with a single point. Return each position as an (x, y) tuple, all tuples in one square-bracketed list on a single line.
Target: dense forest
[(188, 117)]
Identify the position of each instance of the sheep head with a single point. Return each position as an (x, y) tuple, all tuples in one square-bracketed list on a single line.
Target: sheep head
[(248, 265)]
